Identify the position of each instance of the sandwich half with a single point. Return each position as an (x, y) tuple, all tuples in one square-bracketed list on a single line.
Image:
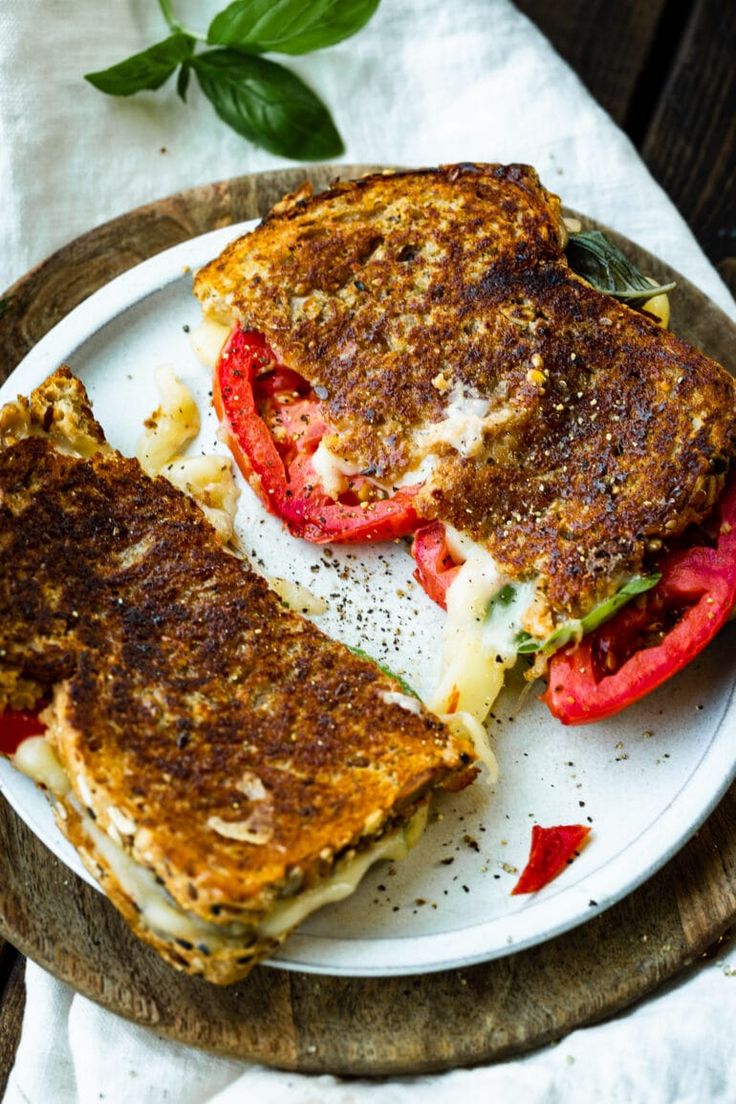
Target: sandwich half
[(412, 354), (222, 767)]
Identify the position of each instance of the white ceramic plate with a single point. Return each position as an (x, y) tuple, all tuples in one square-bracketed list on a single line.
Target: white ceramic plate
[(644, 781)]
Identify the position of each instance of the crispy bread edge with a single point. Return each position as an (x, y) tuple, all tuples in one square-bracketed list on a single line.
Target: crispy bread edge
[(59, 408), (221, 967)]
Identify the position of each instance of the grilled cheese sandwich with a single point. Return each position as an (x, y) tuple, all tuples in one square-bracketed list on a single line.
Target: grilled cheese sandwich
[(559, 436), (222, 767), (436, 316)]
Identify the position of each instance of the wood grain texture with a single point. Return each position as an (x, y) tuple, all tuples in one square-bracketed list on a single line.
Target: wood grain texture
[(608, 45), (727, 272), (352, 1026), (665, 72), (12, 1003), (690, 144), (41, 298)]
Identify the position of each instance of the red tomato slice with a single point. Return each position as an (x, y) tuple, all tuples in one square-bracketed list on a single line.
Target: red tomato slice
[(551, 851), (655, 636), (281, 379), (436, 567), (15, 727), (645, 643), (274, 425), (241, 360)]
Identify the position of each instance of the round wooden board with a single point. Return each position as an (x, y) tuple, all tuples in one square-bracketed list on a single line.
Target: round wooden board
[(352, 1026)]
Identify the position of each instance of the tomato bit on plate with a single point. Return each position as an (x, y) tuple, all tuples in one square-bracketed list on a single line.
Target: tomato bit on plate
[(552, 849)]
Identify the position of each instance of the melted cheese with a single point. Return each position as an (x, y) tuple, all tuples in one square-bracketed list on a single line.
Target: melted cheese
[(36, 759), (296, 596), (332, 470), (160, 912), (465, 725), (171, 426), (472, 678), (501, 629), (405, 701), (418, 474), (209, 480), (462, 427), (344, 880), (207, 340), (478, 646), (165, 917), (467, 418)]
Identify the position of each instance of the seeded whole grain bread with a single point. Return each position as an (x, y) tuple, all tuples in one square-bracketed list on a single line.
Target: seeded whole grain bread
[(402, 296), (224, 744)]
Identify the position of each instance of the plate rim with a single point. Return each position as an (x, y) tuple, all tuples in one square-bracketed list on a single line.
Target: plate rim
[(295, 1021), (112, 300)]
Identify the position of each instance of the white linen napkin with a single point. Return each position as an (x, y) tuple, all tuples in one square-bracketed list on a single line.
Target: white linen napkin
[(426, 81), (674, 1049)]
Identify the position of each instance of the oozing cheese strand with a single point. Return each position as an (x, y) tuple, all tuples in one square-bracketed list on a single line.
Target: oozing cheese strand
[(345, 879), (479, 644)]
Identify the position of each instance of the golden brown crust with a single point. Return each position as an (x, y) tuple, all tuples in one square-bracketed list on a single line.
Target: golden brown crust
[(357, 288), (395, 293), (221, 965), (187, 697), (628, 444)]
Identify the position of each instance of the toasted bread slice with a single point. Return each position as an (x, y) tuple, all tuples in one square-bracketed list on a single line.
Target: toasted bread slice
[(225, 759), (450, 342)]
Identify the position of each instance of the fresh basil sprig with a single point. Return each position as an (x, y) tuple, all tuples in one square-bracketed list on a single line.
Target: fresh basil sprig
[(603, 265), (601, 613), (147, 70), (267, 104), (263, 101), (285, 27)]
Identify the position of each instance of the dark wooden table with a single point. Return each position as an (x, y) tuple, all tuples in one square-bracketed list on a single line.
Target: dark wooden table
[(664, 70)]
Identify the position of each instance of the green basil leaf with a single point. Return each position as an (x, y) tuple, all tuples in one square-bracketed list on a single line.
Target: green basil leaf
[(561, 636), (640, 583), (148, 70), (268, 105), (603, 265), (505, 595), (182, 82), (288, 26), (386, 670), (604, 611)]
